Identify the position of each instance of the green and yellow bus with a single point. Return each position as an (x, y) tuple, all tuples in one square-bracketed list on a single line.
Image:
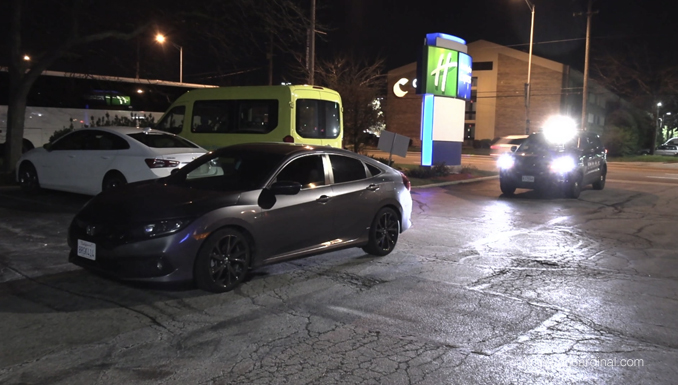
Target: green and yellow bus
[(218, 117)]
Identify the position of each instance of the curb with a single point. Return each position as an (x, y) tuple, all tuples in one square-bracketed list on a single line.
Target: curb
[(458, 182)]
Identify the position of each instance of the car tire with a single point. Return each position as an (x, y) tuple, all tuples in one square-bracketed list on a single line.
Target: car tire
[(383, 233), (573, 189), (28, 177), (223, 261), (600, 183), (113, 180), (506, 188)]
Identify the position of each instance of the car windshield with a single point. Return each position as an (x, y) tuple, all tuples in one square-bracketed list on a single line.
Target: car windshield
[(537, 143), (162, 140), (229, 170)]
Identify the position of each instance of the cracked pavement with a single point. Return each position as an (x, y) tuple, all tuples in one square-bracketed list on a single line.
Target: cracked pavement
[(483, 289)]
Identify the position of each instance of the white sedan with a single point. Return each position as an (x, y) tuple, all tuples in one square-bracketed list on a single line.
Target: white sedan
[(90, 160)]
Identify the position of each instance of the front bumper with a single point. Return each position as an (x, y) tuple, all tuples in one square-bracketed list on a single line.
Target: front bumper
[(162, 259), (537, 180)]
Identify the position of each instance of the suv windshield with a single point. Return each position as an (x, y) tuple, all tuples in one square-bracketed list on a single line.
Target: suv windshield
[(538, 143)]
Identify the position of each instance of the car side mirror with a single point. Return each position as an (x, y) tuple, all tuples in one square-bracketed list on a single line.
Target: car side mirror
[(285, 187), (47, 146), (514, 148), (267, 197)]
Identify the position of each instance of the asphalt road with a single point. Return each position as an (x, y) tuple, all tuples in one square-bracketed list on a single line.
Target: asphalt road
[(483, 289)]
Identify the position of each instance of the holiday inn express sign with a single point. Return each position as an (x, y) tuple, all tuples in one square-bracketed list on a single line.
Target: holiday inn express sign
[(444, 81)]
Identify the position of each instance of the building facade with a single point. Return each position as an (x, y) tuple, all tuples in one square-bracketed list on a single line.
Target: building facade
[(497, 107)]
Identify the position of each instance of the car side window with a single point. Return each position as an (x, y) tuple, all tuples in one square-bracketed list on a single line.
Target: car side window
[(373, 170), (306, 170), (72, 141), (173, 121), (597, 144), (100, 140), (347, 169)]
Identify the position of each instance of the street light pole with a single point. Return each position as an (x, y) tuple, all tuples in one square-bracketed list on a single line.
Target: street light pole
[(181, 63), (655, 130), (161, 39), (529, 72)]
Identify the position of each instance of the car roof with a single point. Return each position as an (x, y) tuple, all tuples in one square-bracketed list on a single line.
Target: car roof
[(125, 130), (285, 148), (515, 136)]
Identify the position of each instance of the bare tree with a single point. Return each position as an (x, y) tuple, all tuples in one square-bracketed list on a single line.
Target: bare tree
[(359, 83), (22, 74), (244, 36), (641, 75)]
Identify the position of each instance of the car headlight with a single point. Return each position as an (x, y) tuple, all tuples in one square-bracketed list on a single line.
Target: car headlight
[(160, 228), (505, 161), (563, 165)]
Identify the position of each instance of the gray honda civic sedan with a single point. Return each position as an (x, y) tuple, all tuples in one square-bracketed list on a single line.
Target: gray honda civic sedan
[(238, 208)]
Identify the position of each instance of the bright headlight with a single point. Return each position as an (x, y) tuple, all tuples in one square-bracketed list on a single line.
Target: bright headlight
[(158, 228), (505, 161), (559, 129), (563, 165)]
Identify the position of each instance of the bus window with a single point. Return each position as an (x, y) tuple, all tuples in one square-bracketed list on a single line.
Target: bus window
[(257, 116), (216, 116), (212, 116), (317, 118), (173, 120)]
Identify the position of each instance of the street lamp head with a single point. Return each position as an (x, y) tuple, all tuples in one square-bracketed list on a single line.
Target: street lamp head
[(27, 58), (659, 104), (160, 38)]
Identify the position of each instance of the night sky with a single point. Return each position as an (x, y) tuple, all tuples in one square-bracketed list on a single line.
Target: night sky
[(396, 28), (389, 29)]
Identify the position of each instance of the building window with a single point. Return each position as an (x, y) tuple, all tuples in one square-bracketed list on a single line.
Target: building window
[(471, 106), (592, 98), (469, 131), (601, 120), (474, 81), (591, 118), (482, 66), (601, 102)]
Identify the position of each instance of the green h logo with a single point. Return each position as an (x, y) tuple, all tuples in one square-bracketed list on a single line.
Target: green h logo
[(441, 71)]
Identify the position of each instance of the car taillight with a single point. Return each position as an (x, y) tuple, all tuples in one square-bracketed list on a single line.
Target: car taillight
[(288, 139), (494, 147), (160, 163), (406, 181)]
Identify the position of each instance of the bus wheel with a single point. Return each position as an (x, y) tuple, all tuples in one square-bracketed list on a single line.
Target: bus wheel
[(28, 177)]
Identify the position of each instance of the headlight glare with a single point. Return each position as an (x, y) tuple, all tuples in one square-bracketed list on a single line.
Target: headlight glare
[(505, 161), (158, 228), (563, 165)]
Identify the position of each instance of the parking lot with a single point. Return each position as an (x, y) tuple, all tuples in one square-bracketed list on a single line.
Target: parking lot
[(483, 289)]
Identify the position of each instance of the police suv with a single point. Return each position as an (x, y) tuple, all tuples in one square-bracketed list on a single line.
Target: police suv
[(544, 161)]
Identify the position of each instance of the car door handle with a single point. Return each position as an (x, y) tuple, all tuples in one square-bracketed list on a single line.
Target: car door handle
[(373, 187), (323, 199), (71, 156), (105, 157)]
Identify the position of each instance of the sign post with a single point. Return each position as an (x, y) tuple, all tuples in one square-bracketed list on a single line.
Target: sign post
[(444, 79)]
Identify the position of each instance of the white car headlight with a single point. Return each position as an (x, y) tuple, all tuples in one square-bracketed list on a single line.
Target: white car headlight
[(563, 165), (505, 161)]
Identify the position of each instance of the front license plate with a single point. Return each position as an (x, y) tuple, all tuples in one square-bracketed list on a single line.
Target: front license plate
[(87, 249), (528, 178)]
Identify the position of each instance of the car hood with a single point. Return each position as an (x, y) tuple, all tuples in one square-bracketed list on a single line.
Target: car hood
[(153, 200)]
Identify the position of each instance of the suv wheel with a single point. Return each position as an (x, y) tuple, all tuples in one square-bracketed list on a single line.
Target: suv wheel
[(573, 189), (506, 187), (600, 183)]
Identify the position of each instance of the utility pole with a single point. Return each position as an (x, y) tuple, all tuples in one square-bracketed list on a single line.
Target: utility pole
[(529, 72), (311, 59), (585, 91)]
